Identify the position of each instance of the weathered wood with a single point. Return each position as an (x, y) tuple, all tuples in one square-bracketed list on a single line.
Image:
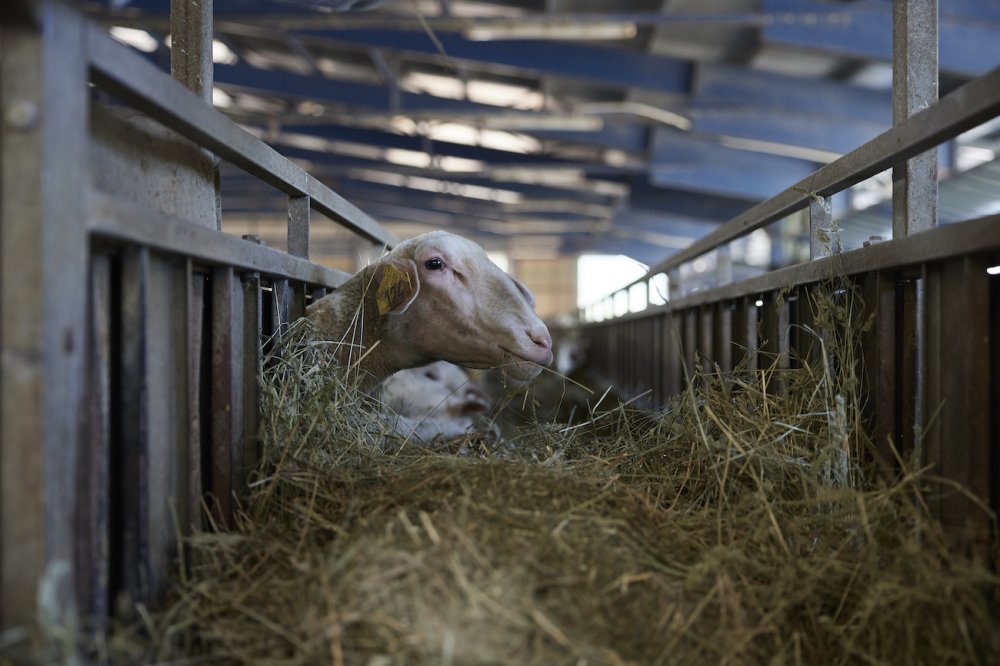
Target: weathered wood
[(93, 548), (957, 408), (282, 306), (130, 473), (118, 220), (165, 371), (908, 381), (198, 438), (879, 364), (43, 90), (744, 332), (252, 361), (227, 389)]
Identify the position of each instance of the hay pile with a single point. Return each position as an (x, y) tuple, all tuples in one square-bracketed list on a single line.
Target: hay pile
[(740, 525)]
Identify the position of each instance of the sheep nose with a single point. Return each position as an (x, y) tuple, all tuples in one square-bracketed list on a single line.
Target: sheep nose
[(541, 338)]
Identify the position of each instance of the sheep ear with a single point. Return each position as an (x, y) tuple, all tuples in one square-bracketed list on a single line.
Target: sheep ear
[(396, 285)]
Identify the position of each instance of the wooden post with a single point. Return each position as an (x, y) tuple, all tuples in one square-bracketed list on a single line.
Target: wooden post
[(43, 88)]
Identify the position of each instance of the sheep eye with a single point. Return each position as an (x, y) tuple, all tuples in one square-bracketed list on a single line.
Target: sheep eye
[(434, 264)]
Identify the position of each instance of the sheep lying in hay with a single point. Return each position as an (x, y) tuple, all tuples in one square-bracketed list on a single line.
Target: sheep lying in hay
[(433, 297), (738, 525), (439, 401)]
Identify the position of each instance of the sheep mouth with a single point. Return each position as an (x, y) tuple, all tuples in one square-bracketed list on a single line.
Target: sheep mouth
[(517, 366)]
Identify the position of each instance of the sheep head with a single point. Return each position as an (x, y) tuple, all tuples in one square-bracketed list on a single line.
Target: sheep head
[(443, 299)]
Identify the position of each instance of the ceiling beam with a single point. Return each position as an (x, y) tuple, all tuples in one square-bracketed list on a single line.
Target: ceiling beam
[(683, 161), (620, 135), (969, 40)]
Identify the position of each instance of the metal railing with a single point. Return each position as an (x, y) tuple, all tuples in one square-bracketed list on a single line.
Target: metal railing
[(131, 335)]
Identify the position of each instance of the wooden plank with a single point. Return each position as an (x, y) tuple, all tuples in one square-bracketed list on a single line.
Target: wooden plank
[(252, 366), (909, 364), (879, 365), (227, 389), (722, 315), (43, 317), (130, 458), (166, 408), (123, 221), (957, 416), (198, 439), (93, 547), (689, 338), (744, 335), (774, 331), (282, 306)]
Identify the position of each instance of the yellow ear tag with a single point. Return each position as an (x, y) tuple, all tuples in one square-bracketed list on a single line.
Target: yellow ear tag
[(394, 284)]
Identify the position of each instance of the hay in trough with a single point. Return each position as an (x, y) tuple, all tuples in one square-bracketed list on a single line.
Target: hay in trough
[(741, 524)]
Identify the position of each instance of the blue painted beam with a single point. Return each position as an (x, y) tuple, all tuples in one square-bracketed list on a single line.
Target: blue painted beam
[(630, 137), (683, 161), (965, 47), (684, 203), (620, 68), (729, 87), (806, 131)]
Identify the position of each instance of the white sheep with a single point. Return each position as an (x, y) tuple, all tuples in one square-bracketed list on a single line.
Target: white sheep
[(434, 401), (434, 297)]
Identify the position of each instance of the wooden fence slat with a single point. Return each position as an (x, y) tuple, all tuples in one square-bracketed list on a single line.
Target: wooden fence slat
[(94, 482), (43, 143), (227, 388), (130, 476), (957, 416), (166, 368), (879, 364), (197, 437), (252, 360)]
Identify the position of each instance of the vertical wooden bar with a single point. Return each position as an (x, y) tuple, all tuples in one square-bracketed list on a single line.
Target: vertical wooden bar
[(227, 389), (197, 436), (43, 273), (722, 315), (744, 333), (879, 360), (690, 344), (914, 88), (252, 360), (130, 473), (166, 370), (93, 508), (808, 339), (909, 385), (775, 316), (282, 306), (957, 411)]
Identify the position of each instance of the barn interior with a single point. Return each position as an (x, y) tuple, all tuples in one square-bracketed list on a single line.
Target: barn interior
[(764, 236), (552, 129)]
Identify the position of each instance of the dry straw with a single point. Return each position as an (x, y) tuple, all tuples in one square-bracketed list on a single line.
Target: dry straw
[(742, 524)]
